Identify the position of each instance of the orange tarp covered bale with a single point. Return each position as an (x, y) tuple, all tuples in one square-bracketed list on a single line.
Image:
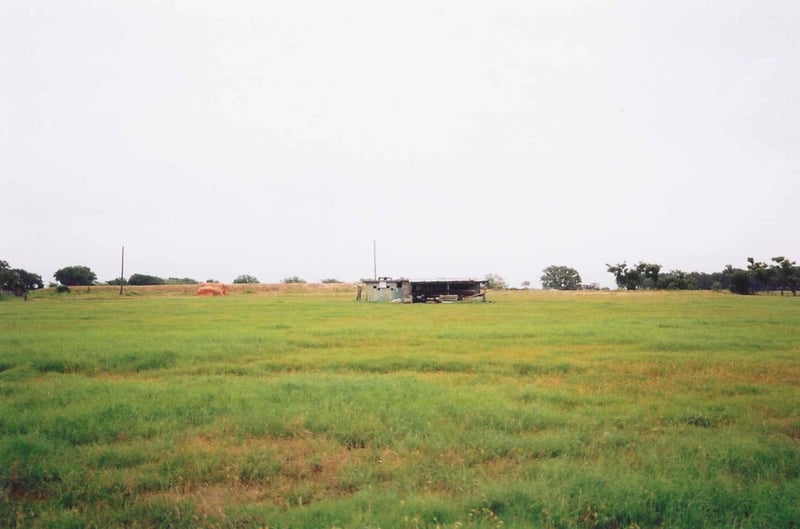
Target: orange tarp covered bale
[(212, 289)]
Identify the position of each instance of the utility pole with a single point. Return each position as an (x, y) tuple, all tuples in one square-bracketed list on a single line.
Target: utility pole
[(122, 272), (374, 261)]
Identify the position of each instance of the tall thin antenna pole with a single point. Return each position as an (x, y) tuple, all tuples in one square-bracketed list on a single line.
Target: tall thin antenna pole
[(374, 261), (122, 272)]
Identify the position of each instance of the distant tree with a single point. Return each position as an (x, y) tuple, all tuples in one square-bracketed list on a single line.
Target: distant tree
[(648, 274), (627, 278), (560, 278), (643, 275), (116, 281), (144, 279), (787, 274), (618, 271), (676, 280), (725, 277), (75, 275), (760, 274), (292, 279), (245, 279), (29, 280), (331, 280), (494, 282), (181, 281), (526, 284), (633, 279), (719, 280), (17, 280), (738, 280), (703, 281)]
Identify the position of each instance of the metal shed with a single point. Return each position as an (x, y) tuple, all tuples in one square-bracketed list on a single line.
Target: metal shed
[(404, 290)]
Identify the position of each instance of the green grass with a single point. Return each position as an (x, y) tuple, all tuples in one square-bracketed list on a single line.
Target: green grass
[(305, 409)]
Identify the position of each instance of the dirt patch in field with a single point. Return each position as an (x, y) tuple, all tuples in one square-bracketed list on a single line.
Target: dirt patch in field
[(757, 373), (280, 472)]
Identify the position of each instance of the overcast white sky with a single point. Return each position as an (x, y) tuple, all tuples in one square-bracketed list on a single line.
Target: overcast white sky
[(274, 139)]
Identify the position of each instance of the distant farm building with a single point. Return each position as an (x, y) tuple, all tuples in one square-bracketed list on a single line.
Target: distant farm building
[(404, 290)]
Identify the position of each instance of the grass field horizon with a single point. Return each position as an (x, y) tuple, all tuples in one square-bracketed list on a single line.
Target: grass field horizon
[(295, 406)]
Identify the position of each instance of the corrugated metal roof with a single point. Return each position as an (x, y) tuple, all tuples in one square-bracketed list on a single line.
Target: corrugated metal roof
[(449, 280), (428, 280)]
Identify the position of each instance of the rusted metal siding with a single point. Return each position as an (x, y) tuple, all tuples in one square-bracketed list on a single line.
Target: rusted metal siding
[(387, 289)]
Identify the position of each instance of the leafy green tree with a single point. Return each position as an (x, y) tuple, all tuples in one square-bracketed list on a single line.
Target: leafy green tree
[(293, 279), (704, 281), (245, 279), (787, 273), (17, 280), (760, 273), (676, 280), (627, 278), (738, 280), (618, 271), (75, 275), (330, 280), (29, 280), (144, 279), (643, 275), (648, 274), (560, 278)]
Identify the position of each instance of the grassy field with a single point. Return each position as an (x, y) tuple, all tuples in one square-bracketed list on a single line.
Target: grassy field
[(298, 407)]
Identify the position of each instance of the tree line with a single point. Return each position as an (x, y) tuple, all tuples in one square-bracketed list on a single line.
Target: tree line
[(19, 282), (783, 274)]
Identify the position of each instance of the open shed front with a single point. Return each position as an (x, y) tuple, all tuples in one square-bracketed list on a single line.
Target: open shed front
[(447, 290), (427, 291)]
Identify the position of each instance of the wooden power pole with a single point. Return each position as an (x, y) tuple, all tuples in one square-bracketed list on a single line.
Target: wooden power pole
[(122, 272)]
